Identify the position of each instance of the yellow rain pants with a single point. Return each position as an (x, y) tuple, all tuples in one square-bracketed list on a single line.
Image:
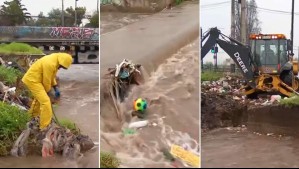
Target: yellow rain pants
[(39, 79)]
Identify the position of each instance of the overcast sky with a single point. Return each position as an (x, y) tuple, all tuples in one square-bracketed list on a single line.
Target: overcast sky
[(36, 6), (271, 22)]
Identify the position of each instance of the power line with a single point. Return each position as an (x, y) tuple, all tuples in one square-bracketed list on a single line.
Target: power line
[(219, 4), (214, 4)]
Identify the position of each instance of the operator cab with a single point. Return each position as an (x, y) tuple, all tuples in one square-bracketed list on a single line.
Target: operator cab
[(269, 52)]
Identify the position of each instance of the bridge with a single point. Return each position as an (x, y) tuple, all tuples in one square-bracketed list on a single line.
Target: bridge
[(49, 39)]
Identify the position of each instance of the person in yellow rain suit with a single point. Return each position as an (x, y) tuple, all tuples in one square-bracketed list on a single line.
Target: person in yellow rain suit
[(39, 79)]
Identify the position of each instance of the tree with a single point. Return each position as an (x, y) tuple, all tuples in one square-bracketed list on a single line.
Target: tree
[(42, 20), (93, 21), (13, 13), (253, 23), (54, 17), (70, 20)]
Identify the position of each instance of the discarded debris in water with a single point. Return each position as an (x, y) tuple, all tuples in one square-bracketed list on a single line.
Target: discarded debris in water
[(123, 76), (129, 131), (138, 124), (55, 139)]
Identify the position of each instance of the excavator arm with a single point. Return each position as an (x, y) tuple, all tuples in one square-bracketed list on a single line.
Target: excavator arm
[(239, 52)]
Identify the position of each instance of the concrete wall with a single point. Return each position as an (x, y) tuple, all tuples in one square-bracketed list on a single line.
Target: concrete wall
[(57, 33)]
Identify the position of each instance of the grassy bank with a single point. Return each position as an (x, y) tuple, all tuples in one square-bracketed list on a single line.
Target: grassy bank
[(290, 102), (12, 122), (9, 76), (18, 49), (211, 76)]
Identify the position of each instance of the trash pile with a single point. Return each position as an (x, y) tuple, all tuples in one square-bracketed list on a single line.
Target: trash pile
[(223, 103), (231, 86), (10, 94), (55, 139), (123, 76)]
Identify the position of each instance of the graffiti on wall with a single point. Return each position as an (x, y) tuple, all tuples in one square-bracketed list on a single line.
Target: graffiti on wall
[(73, 33), (28, 32)]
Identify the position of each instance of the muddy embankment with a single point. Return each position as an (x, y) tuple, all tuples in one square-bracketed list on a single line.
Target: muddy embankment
[(223, 105)]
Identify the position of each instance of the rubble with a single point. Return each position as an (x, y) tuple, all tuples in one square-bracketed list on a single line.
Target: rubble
[(122, 77), (223, 103), (54, 139), (9, 93)]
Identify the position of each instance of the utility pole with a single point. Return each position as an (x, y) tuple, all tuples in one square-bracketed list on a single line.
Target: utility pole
[(292, 28), (98, 7), (75, 13), (243, 21), (233, 25), (62, 13), (201, 46)]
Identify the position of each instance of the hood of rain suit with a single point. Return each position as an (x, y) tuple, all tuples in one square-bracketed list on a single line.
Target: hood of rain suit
[(65, 60)]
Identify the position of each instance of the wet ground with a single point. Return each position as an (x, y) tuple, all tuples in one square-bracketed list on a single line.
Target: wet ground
[(230, 148), (80, 103)]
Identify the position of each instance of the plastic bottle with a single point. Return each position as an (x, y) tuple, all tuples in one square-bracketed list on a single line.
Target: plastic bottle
[(138, 124)]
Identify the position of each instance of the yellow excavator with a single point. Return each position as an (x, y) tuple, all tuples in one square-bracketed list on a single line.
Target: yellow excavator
[(266, 64)]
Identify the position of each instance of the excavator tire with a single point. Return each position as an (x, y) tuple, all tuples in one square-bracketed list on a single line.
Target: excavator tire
[(287, 77)]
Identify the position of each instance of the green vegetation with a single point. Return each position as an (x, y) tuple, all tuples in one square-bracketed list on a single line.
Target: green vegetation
[(18, 48), (13, 13), (178, 1), (70, 125), (9, 76), (211, 76), (108, 160), (12, 122), (290, 102)]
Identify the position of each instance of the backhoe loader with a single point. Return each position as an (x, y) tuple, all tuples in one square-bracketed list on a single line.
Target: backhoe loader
[(265, 63)]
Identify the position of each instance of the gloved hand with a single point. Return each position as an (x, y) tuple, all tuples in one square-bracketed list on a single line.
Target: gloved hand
[(57, 92)]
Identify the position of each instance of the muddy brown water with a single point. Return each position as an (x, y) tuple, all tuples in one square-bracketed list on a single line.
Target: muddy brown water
[(172, 92), (270, 139), (230, 148), (111, 21), (79, 103)]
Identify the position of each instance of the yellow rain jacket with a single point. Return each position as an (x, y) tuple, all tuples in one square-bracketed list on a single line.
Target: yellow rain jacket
[(39, 79)]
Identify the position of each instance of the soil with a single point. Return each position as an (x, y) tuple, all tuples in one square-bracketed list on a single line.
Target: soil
[(220, 110)]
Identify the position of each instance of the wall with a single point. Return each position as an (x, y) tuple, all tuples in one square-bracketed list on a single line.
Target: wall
[(57, 33)]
